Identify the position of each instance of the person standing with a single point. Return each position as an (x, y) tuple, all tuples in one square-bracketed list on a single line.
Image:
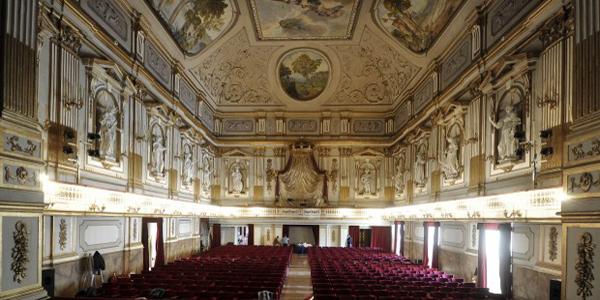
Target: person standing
[(276, 241), (349, 241), (285, 240)]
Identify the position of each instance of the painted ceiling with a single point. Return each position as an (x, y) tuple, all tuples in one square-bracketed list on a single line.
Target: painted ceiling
[(304, 19), (416, 24), (194, 24), (306, 55)]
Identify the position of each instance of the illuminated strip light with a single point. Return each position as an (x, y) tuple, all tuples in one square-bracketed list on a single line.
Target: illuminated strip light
[(536, 204), (539, 204)]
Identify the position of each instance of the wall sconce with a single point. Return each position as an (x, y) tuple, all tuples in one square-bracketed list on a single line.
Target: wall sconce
[(546, 134), (513, 214), (547, 151)]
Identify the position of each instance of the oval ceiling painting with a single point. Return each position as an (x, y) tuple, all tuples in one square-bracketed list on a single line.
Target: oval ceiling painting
[(194, 24), (416, 23), (304, 74)]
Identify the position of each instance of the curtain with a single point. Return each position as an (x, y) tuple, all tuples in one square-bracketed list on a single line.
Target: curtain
[(286, 231), (288, 166), (160, 247), (315, 229), (354, 232), (215, 240), (402, 238), (436, 247), (399, 234), (505, 260), (381, 237), (250, 234)]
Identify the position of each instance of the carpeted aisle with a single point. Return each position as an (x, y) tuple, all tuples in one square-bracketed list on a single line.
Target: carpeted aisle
[(298, 284)]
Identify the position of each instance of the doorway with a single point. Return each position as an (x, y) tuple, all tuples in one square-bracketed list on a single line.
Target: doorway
[(153, 243), (365, 238)]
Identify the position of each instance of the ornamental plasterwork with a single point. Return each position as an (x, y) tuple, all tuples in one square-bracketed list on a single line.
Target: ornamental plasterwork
[(20, 176), (373, 72), (14, 143), (453, 124), (237, 180), (62, 234), (587, 182), (20, 252), (400, 172), (333, 175), (584, 150), (366, 174), (420, 168), (234, 74), (368, 126), (553, 244), (303, 125), (238, 126), (270, 173), (157, 151), (207, 168), (584, 266), (188, 166)]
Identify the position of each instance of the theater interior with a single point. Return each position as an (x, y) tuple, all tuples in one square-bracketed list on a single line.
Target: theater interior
[(300, 149)]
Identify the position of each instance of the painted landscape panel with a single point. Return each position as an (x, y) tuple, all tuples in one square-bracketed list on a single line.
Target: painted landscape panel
[(304, 74), (194, 24), (416, 23), (304, 19)]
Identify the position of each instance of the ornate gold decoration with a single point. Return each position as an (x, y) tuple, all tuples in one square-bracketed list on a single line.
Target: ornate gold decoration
[(20, 252), (553, 244), (580, 153), (96, 208), (332, 175), (271, 174), (585, 266), (473, 215), (513, 214), (585, 183), (551, 101), (62, 234)]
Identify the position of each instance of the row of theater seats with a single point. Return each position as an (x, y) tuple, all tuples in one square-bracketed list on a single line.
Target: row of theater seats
[(227, 272), (364, 273)]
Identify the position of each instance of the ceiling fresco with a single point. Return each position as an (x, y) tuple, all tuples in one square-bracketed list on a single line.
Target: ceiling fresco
[(416, 24), (304, 74), (304, 19), (195, 24)]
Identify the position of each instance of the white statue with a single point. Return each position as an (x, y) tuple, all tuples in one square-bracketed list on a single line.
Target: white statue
[(420, 167), (207, 171), (108, 132), (508, 144), (399, 177), (158, 150), (366, 180), (450, 164), (188, 168), (237, 183)]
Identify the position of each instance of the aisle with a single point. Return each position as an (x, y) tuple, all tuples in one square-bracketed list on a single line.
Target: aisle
[(298, 285)]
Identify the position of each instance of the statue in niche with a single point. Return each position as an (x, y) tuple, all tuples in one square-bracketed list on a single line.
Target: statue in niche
[(421, 166), (187, 175), (207, 170), (399, 176), (237, 182), (366, 180), (108, 132), (507, 125), (451, 165), (158, 153)]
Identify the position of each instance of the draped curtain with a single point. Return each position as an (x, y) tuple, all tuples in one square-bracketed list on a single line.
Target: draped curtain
[(482, 257), (434, 258), (215, 240), (160, 247), (286, 230), (315, 229), (354, 232), (381, 237), (250, 234), (288, 166), (505, 260)]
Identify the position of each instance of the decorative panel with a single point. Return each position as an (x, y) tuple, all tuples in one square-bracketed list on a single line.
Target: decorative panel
[(21, 176), (584, 151), (453, 235), (423, 95), (20, 256), (238, 126), (187, 96), (403, 115), (158, 65), (206, 116), (368, 126), (95, 234), (304, 126), (504, 15), (456, 63), (551, 244), (111, 18), (523, 242), (582, 263), (22, 146), (185, 227)]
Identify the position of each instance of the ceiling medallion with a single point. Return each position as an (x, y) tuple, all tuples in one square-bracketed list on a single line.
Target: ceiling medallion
[(304, 73), (304, 20)]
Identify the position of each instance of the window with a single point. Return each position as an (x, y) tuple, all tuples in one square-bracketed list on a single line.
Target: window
[(492, 249), (399, 238), (430, 242)]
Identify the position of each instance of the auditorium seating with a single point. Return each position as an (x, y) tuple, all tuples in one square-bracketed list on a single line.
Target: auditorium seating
[(227, 272), (366, 273)]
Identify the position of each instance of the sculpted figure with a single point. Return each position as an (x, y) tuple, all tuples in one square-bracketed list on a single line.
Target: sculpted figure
[(507, 144)]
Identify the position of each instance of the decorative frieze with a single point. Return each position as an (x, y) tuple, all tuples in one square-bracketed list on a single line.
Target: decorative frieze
[(303, 126), (238, 126), (111, 18), (456, 63), (586, 182), (157, 65), (584, 150), (368, 126), (402, 115), (423, 95), (187, 96), (20, 176), (18, 145), (504, 15)]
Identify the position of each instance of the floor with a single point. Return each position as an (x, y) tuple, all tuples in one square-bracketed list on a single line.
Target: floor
[(298, 285)]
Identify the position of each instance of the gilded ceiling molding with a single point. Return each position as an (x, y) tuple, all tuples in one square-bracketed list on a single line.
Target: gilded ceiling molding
[(234, 74), (373, 72)]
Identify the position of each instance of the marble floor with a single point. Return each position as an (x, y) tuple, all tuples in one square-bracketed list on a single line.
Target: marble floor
[(298, 285)]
